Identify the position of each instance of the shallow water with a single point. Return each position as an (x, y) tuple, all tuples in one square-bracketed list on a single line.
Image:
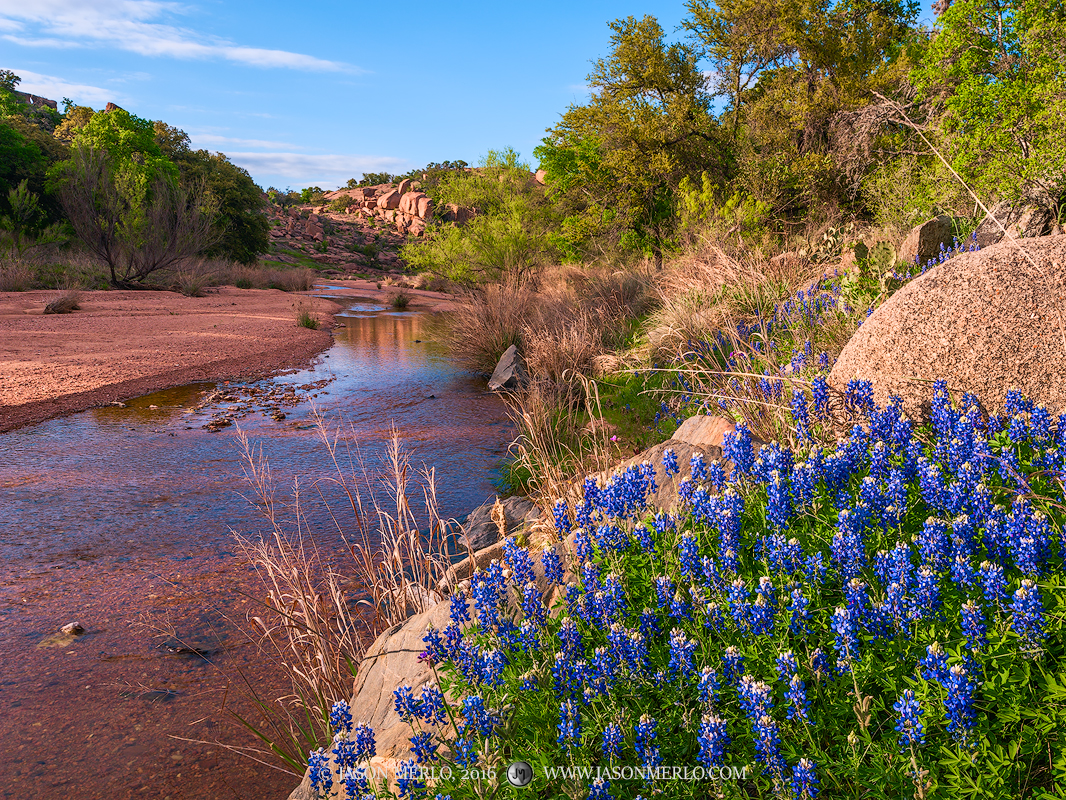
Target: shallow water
[(121, 518)]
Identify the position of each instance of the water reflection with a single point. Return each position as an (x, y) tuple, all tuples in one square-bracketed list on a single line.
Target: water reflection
[(120, 518)]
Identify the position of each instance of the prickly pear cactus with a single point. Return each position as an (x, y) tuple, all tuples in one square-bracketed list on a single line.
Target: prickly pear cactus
[(862, 252), (882, 257)]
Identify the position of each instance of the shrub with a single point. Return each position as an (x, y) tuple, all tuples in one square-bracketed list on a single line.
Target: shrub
[(400, 300), (64, 304), (888, 612), (305, 318)]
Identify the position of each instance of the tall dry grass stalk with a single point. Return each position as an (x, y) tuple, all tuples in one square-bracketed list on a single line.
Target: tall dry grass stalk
[(551, 446), (323, 609)]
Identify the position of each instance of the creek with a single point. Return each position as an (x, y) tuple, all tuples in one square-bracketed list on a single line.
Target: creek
[(122, 519)]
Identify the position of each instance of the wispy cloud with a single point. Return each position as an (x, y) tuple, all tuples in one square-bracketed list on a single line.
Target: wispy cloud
[(315, 170), (325, 170), (139, 26), (57, 89), (208, 139)]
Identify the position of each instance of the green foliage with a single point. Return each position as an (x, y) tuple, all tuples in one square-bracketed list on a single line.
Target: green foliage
[(26, 225), (700, 207), (511, 236), (312, 194), (368, 179), (998, 68), (240, 225), (11, 105), (646, 127)]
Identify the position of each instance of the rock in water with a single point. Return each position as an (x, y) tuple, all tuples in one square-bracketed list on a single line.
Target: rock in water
[(509, 372), (984, 322)]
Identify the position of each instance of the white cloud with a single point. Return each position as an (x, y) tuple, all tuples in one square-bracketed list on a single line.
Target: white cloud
[(316, 170), (57, 89), (206, 139), (138, 26)]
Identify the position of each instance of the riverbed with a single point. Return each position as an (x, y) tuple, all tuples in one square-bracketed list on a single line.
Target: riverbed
[(122, 519)]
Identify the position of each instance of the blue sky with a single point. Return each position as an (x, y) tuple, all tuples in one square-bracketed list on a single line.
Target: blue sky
[(315, 94)]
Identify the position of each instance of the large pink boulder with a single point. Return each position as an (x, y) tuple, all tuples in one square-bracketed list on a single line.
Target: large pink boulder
[(389, 200), (985, 322), (425, 207), (409, 203)]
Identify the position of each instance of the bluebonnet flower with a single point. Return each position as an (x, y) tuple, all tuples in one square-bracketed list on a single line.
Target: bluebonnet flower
[(491, 667), (934, 664), (320, 772), (768, 744), (699, 467), (958, 705), (739, 606), (713, 740), (710, 573), (409, 779), (927, 595), (340, 717), (803, 484), (859, 396), (405, 703), (612, 741), (786, 665), (820, 396), (600, 789), (423, 748), (762, 616), (799, 706), (732, 664), (431, 704), (553, 566), (528, 681), (561, 515), (805, 780), (715, 475), (465, 750), (689, 556), (973, 625), (799, 613), (709, 686), (737, 447), (801, 416), (934, 544), (962, 571), (820, 664), (477, 716), (458, 610), (681, 651), (344, 753), (670, 466), (1027, 614), (993, 584), (712, 617), (908, 721), (569, 724), (778, 502), (645, 733), (845, 640)]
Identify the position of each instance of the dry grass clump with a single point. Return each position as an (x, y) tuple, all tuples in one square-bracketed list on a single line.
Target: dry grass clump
[(64, 304), (15, 276), (561, 325), (289, 280), (705, 291), (321, 611)]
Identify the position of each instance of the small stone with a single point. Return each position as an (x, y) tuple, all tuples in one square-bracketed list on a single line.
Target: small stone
[(73, 629)]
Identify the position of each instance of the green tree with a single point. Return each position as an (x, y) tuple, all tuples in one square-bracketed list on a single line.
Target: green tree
[(240, 225), (646, 126), (789, 69), (998, 67)]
